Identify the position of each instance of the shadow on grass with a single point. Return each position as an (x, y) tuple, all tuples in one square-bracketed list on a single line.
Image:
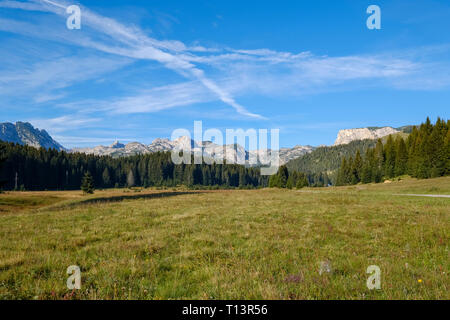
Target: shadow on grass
[(120, 198)]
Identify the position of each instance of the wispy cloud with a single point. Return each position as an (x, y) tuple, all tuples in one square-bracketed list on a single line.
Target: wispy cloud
[(133, 43), (64, 123), (208, 74), (59, 73)]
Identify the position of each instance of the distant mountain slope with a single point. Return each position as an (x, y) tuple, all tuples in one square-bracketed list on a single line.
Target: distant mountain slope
[(25, 134), (231, 153), (118, 149), (328, 159)]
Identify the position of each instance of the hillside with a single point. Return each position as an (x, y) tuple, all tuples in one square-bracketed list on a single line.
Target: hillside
[(328, 159)]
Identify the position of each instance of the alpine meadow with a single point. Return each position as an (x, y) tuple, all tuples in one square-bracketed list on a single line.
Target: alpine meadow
[(232, 158)]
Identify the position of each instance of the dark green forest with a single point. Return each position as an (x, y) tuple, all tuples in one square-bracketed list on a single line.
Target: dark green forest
[(29, 168), (425, 153)]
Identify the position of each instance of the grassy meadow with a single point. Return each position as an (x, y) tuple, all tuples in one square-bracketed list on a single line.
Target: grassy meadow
[(228, 244)]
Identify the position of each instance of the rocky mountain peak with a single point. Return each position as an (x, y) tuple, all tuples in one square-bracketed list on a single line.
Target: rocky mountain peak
[(25, 134), (117, 145), (348, 135)]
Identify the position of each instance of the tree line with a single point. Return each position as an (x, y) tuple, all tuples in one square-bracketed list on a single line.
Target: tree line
[(424, 154), (322, 163), (29, 168), (2, 160), (285, 179)]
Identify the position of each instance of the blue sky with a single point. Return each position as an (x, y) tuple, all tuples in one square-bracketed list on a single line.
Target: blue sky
[(138, 70)]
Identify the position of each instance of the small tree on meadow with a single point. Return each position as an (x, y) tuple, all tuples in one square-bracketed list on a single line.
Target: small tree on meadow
[(87, 183)]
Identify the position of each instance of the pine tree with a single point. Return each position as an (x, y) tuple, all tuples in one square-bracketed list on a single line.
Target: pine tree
[(290, 182), (412, 152), (436, 148), (356, 170), (422, 166), (302, 181), (283, 174), (401, 157), (366, 174), (368, 163), (87, 184), (274, 181), (389, 156), (447, 151)]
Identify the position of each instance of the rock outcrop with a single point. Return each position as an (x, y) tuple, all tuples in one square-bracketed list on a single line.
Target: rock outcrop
[(348, 135)]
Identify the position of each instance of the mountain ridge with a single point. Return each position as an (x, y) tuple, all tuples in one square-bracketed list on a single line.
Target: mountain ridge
[(25, 134), (230, 153), (346, 136)]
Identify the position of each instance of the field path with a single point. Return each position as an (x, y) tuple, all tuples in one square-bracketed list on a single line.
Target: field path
[(426, 195)]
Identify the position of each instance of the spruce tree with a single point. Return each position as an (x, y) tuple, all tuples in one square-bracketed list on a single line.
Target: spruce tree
[(302, 181), (366, 173), (389, 156), (368, 163), (401, 157), (274, 181), (436, 148), (447, 152), (356, 170), (290, 182), (87, 184), (411, 146), (422, 169), (283, 176)]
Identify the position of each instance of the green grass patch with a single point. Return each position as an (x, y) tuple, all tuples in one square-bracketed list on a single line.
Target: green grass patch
[(234, 244)]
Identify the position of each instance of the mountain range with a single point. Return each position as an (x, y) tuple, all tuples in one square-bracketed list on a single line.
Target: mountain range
[(228, 152), (24, 133)]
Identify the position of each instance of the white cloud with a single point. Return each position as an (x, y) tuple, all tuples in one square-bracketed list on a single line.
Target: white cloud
[(64, 123), (230, 72), (59, 73), (131, 42)]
